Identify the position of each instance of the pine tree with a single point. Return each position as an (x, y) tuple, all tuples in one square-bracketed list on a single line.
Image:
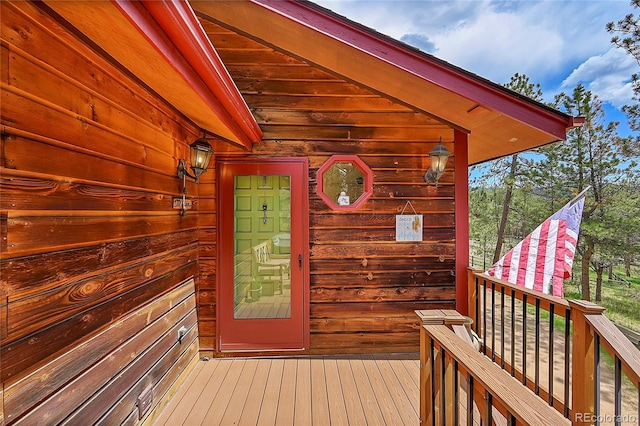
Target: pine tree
[(593, 155)]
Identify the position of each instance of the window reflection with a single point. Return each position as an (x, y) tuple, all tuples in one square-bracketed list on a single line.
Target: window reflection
[(343, 183)]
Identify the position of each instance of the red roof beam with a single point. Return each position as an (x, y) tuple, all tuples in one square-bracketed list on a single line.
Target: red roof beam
[(173, 29)]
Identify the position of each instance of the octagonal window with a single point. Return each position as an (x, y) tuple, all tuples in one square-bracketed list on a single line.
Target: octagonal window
[(345, 182)]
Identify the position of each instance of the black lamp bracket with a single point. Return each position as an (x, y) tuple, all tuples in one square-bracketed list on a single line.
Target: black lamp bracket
[(183, 172), (432, 177)]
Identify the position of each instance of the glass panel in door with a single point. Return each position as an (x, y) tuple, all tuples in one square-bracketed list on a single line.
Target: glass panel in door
[(262, 247)]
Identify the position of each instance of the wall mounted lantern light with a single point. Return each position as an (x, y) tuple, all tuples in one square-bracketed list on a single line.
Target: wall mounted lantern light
[(200, 153), (439, 157)]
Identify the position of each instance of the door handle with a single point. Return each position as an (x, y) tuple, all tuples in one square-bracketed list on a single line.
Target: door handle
[(300, 262)]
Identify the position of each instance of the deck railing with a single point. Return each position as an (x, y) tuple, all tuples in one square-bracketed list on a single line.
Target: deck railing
[(553, 347), (459, 385)]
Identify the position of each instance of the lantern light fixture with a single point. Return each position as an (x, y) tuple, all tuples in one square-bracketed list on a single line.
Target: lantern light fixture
[(439, 157), (200, 154)]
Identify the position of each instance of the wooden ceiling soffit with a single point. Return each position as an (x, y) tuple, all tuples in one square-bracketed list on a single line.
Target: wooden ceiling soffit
[(447, 92), (164, 46)]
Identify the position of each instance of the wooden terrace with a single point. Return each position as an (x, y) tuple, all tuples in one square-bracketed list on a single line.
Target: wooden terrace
[(524, 369), (325, 390)]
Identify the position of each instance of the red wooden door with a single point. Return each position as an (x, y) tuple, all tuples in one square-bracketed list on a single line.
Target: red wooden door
[(262, 255)]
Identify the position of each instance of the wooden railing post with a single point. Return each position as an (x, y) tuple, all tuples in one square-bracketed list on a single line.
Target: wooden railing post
[(583, 384), (425, 378), (432, 371), (428, 398), (473, 299)]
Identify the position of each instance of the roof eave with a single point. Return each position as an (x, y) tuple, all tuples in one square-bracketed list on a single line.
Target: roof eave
[(178, 20), (162, 45), (427, 67)]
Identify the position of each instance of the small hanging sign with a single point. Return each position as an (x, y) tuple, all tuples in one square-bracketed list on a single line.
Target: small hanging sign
[(408, 226)]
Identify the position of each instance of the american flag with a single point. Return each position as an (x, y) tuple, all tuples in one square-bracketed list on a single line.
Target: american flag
[(543, 260)]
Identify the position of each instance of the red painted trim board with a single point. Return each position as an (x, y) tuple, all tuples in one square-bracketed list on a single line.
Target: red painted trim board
[(172, 28), (461, 171)]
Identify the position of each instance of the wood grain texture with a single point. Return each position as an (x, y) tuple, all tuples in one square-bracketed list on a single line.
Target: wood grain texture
[(42, 192), (69, 127), (22, 277), (95, 261), (28, 315), (358, 271), (112, 376), (29, 235), (24, 355), (21, 394), (31, 33), (362, 281)]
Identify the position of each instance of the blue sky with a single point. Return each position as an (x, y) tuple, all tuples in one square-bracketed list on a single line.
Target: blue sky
[(557, 44)]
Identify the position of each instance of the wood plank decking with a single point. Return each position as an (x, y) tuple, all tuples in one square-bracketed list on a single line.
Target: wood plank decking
[(305, 391)]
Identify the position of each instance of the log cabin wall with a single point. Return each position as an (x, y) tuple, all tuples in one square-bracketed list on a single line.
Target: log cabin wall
[(96, 266), (364, 286)]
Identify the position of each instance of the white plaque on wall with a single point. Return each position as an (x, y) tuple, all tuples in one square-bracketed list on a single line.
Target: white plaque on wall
[(409, 227)]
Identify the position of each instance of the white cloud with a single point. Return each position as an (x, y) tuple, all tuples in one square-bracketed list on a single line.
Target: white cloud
[(607, 75), (499, 44), (555, 43)]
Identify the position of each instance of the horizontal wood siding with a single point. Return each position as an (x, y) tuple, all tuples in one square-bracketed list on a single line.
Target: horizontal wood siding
[(97, 268), (364, 286)]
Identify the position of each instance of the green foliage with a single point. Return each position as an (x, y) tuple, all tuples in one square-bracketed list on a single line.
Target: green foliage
[(627, 37), (520, 83), (543, 181)]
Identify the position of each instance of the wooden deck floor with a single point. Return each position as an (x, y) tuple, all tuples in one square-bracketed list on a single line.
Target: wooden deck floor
[(305, 391)]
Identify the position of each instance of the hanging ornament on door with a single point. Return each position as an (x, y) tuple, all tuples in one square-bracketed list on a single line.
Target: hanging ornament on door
[(264, 210)]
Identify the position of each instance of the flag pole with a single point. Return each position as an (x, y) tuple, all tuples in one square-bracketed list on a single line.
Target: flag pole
[(580, 195)]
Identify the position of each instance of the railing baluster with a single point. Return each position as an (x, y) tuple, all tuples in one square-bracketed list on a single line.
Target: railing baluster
[(493, 321), (484, 317), (456, 395), (513, 333), (617, 392), (551, 350), (502, 327), (470, 400), (489, 408), (567, 360), (432, 366), (455, 372), (443, 388), (537, 349), (477, 304), (596, 375), (524, 339)]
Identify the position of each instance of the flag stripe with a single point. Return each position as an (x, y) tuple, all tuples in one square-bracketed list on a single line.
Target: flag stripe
[(531, 261), (544, 258)]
